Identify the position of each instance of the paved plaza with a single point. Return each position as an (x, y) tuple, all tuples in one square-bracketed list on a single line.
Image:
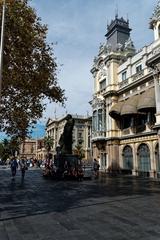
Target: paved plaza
[(114, 208)]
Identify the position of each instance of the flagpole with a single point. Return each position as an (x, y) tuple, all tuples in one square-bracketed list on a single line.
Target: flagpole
[(1, 46)]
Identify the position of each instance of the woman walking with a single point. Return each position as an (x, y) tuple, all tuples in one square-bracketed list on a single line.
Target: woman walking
[(23, 167)]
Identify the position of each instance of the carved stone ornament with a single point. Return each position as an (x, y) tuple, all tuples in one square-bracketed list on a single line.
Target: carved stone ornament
[(102, 73), (155, 16), (129, 44)]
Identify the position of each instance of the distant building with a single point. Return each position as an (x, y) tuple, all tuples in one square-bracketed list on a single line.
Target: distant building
[(28, 149), (81, 133), (41, 151), (126, 101)]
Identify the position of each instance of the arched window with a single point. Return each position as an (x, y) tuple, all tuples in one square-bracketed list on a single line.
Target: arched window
[(144, 163), (127, 158)]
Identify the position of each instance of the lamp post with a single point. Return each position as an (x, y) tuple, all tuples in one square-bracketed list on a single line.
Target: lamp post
[(1, 45)]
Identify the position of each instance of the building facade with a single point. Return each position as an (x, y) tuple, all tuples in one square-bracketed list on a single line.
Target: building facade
[(41, 152), (28, 149), (81, 133), (126, 101)]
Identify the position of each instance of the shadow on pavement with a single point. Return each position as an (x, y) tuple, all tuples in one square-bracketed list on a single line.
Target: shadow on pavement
[(36, 195)]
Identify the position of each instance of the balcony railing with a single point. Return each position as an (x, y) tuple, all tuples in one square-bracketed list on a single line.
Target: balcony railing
[(98, 134), (138, 76), (139, 128), (134, 130), (123, 83), (126, 131)]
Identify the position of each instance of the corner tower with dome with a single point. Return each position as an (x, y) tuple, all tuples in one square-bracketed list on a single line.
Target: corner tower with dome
[(126, 101)]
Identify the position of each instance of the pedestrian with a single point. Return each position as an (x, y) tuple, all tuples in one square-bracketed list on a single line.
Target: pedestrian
[(80, 173), (23, 167), (14, 166), (96, 168)]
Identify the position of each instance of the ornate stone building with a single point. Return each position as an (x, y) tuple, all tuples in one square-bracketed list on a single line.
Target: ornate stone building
[(126, 101), (81, 133), (28, 149)]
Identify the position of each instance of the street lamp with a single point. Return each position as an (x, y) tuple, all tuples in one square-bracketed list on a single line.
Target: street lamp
[(1, 45)]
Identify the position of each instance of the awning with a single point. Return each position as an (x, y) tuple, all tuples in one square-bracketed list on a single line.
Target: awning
[(115, 110), (147, 100), (135, 104), (130, 106)]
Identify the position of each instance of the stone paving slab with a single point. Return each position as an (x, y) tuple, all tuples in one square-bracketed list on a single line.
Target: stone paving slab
[(122, 208)]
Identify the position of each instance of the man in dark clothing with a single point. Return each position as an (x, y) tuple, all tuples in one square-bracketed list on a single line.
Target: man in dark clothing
[(14, 166), (96, 168)]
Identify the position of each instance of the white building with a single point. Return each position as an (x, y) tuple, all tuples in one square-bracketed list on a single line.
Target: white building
[(81, 133), (126, 101)]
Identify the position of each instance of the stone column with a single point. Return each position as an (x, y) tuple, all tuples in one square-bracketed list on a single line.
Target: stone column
[(135, 160), (158, 134), (153, 164)]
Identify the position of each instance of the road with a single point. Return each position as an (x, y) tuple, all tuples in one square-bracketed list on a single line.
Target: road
[(110, 208)]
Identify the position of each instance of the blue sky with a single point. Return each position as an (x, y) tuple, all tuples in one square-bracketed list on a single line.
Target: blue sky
[(37, 132), (78, 27)]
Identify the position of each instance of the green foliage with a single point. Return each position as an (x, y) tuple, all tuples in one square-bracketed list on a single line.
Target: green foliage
[(48, 143), (78, 150), (9, 148), (29, 70)]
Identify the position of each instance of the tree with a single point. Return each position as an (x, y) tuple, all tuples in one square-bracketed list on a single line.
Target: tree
[(48, 144), (78, 150), (4, 150), (9, 148), (29, 70)]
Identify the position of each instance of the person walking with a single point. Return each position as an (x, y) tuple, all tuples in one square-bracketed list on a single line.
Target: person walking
[(14, 166), (96, 168), (23, 167)]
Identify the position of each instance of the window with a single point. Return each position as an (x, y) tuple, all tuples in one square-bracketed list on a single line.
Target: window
[(79, 135), (100, 119), (102, 84), (139, 68), (126, 122), (124, 76), (89, 137), (94, 122), (159, 30)]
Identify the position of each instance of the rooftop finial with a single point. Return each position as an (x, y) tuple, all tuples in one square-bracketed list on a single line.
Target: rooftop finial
[(127, 18), (116, 10)]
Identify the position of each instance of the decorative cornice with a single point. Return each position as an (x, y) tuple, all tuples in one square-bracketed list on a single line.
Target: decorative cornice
[(155, 16)]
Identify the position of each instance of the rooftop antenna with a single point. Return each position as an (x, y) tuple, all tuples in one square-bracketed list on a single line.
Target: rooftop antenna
[(116, 10), (107, 23), (127, 18)]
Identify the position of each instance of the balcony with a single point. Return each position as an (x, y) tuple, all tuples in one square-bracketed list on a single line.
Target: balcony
[(126, 131), (134, 130), (138, 75), (98, 135), (123, 83), (139, 128)]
